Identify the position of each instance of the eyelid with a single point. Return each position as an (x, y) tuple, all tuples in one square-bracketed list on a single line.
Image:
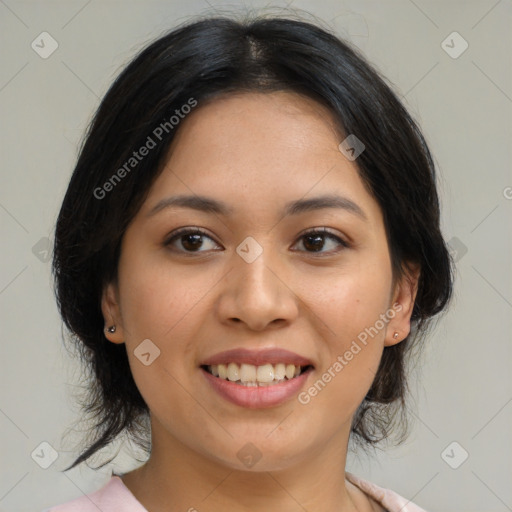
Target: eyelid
[(185, 231), (328, 233), (324, 231)]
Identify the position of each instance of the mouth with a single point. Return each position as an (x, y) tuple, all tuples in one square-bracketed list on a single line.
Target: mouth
[(256, 378), (250, 375)]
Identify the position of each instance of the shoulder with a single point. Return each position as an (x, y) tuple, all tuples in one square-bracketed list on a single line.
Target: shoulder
[(389, 500), (114, 496)]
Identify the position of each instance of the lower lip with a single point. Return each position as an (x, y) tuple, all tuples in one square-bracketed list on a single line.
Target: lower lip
[(258, 397)]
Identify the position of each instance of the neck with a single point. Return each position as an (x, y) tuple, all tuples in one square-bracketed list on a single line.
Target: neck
[(178, 478)]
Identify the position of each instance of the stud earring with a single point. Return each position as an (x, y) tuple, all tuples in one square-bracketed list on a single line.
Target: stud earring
[(111, 329), (395, 335)]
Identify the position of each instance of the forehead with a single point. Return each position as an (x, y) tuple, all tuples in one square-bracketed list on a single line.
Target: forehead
[(280, 117), (259, 150)]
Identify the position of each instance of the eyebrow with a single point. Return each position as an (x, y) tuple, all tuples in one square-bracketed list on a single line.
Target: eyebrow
[(210, 205)]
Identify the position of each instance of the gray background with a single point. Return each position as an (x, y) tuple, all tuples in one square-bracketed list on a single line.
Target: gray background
[(464, 105)]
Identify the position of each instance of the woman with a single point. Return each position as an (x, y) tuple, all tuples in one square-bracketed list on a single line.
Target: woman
[(247, 251)]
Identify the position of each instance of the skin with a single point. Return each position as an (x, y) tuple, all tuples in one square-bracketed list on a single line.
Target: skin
[(254, 152)]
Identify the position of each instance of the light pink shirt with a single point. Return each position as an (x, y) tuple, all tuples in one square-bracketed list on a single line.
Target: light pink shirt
[(114, 496)]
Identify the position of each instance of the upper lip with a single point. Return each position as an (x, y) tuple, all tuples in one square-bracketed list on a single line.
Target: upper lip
[(257, 357)]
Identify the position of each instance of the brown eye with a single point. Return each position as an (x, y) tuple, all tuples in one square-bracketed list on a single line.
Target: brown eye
[(314, 241), (191, 240)]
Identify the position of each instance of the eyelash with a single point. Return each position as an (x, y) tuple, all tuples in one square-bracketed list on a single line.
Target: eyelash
[(198, 231)]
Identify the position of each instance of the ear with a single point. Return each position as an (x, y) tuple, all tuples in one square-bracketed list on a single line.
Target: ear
[(112, 314), (404, 296)]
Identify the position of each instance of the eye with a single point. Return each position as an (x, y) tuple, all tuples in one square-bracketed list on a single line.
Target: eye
[(190, 239), (314, 241)]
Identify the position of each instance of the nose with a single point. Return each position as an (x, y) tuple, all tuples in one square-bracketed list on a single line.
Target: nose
[(257, 294)]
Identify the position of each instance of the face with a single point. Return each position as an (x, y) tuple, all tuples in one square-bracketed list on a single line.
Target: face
[(267, 277)]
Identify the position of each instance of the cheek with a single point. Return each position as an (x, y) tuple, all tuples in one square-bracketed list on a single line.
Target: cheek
[(158, 306), (155, 299), (348, 302), (164, 306), (350, 307)]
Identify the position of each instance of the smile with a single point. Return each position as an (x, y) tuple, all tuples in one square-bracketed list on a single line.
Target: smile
[(256, 376), (252, 394)]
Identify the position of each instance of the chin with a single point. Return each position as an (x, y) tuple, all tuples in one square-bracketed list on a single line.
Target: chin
[(258, 454)]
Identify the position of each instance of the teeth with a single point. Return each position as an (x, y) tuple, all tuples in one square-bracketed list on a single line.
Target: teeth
[(247, 373), (290, 371), (233, 372), (223, 371), (250, 375), (280, 371), (265, 373)]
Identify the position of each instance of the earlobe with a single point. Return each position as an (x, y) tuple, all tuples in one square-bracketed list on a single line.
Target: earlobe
[(111, 313), (403, 304)]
